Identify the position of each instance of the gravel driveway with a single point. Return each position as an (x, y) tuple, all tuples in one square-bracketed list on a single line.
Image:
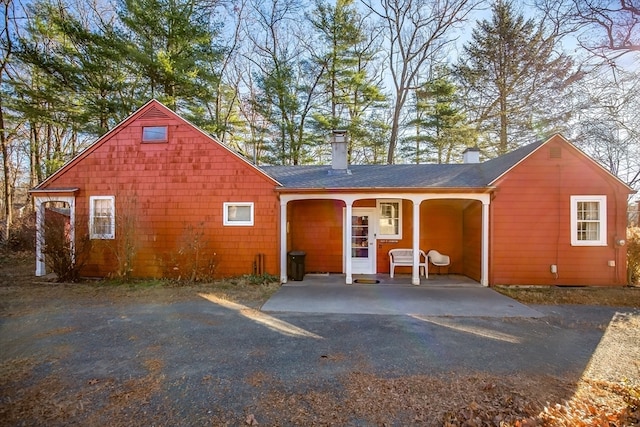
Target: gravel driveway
[(194, 362)]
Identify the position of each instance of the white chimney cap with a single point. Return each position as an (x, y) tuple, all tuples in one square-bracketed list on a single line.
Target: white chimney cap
[(471, 155)]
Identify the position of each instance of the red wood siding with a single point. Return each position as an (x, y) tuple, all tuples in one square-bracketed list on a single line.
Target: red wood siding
[(443, 231), (315, 226), (531, 225), (174, 192), (472, 240)]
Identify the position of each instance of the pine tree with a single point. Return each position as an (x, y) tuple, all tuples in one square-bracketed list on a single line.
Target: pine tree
[(169, 45), (350, 92), (513, 77), (72, 84), (441, 127)]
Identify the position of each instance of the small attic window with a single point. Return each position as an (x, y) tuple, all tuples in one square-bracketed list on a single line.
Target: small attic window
[(155, 134)]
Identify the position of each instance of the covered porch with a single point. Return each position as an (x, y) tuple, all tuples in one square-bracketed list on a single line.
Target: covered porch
[(351, 233)]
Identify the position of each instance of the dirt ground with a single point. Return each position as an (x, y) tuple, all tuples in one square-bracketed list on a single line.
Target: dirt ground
[(598, 398)]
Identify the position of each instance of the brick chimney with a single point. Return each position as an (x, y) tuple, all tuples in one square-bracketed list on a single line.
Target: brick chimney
[(471, 155), (339, 164)]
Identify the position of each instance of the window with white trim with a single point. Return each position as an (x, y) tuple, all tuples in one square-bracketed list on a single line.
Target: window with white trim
[(237, 213), (389, 218), (589, 220), (151, 134), (102, 217)]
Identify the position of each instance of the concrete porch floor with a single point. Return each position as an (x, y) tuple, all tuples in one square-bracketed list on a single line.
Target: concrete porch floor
[(440, 295), (449, 280)]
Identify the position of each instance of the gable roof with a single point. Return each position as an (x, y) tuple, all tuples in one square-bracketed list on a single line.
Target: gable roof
[(152, 108), (528, 150), (433, 176), (446, 176), (378, 176)]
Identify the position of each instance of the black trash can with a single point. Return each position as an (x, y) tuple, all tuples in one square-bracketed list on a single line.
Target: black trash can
[(296, 264)]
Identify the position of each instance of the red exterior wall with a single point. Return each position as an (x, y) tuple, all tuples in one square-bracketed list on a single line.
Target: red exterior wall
[(531, 225), (315, 226), (174, 194), (472, 240), (442, 230)]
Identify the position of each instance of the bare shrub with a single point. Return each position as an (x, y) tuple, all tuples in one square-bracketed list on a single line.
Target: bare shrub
[(194, 260), (23, 231), (124, 247), (61, 255)]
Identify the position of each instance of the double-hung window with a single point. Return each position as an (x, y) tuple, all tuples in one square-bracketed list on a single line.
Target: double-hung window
[(389, 219), (102, 217), (589, 220), (237, 213)]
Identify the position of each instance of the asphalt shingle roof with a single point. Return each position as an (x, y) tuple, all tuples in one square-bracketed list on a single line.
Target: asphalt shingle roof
[(476, 175)]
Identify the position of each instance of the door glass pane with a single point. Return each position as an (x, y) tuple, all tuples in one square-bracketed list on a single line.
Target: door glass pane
[(360, 236)]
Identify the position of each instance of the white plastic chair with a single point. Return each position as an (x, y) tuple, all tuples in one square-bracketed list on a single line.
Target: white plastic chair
[(438, 259)]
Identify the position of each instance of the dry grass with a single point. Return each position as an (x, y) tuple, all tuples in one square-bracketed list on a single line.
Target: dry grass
[(552, 295), (21, 291)]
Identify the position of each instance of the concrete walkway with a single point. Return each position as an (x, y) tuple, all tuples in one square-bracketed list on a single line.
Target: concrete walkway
[(457, 298)]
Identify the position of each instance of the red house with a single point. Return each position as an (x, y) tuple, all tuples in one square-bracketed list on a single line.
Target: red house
[(543, 214)]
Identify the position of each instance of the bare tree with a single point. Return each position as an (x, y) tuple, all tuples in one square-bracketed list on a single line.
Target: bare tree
[(286, 80), (417, 31), (607, 29), (608, 122)]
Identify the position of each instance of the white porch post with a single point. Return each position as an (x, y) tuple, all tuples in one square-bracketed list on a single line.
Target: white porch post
[(40, 265), (347, 237), (484, 273), (415, 271), (283, 240)]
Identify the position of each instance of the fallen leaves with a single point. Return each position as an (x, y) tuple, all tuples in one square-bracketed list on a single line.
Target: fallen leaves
[(355, 398), (452, 401), (596, 403), (251, 420)]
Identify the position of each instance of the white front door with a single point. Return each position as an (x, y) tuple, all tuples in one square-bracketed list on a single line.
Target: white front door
[(362, 246)]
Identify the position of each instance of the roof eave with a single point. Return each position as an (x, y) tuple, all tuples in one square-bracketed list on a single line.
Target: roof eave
[(375, 190), (41, 191)]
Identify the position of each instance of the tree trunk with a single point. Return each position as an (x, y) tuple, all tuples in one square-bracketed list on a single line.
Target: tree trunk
[(395, 129), (6, 172), (503, 147)]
